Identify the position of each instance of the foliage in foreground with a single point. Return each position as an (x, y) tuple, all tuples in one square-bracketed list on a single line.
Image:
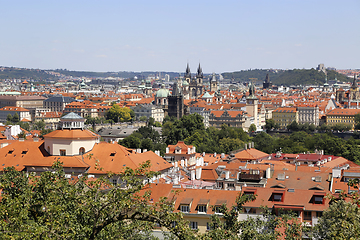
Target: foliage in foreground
[(52, 206)]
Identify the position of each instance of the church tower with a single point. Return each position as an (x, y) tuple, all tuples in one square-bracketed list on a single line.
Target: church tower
[(188, 74), (252, 104), (176, 101), (354, 90), (213, 83), (199, 76)]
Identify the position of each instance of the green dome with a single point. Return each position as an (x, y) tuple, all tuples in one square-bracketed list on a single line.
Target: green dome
[(207, 95), (185, 83), (162, 93)]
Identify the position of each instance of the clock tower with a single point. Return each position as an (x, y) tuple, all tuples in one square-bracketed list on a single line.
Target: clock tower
[(252, 104)]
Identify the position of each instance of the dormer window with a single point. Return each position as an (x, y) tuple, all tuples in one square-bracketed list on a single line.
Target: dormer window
[(318, 199), (202, 208), (277, 197), (185, 208)]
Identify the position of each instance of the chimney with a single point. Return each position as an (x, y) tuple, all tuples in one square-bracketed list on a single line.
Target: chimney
[(192, 173), (227, 174), (198, 173), (252, 144), (167, 150), (214, 155), (245, 146), (203, 154), (182, 163)]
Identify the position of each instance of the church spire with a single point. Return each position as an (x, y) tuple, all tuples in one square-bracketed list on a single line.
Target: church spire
[(187, 72), (199, 72)]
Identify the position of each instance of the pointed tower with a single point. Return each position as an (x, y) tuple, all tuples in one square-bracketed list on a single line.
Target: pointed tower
[(354, 90), (187, 74), (252, 104), (213, 83)]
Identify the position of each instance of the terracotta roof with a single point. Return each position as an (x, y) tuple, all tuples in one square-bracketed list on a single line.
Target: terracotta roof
[(15, 109), (181, 145), (72, 134), (251, 154), (347, 111)]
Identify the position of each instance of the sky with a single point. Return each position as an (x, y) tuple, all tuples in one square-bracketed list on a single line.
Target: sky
[(154, 35)]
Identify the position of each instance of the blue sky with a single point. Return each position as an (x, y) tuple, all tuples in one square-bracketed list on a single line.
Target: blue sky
[(166, 35)]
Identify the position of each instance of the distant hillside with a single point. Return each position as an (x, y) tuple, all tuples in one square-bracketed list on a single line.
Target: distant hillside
[(122, 74), (288, 77), (22, 73)]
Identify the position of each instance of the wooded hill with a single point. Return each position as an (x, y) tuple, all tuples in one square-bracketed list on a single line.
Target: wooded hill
[(286, 77), (25, 73)]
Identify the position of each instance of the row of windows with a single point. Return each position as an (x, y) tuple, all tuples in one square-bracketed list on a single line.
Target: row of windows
[(201, 209), (63, 151)]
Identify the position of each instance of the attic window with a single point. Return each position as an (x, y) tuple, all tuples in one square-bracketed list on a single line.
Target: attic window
[(10, 151), (112, 154), (24, 152)]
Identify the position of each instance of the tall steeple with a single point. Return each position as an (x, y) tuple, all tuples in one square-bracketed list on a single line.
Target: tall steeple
[(187, 72), (199, 72)]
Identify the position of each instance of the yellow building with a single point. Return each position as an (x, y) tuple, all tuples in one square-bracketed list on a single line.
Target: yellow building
[(285, 116), (344, 116)]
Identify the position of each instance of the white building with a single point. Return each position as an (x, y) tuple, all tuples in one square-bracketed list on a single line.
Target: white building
[(72, 139), (24, 114), (149, 110)]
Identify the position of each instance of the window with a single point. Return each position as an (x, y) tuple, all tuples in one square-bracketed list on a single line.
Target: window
[(202, 209), (218, 210), (277, 197), (62, 152), (318, 199), (193, 225), (114, 182), (81, 151), (318, 214), (184, 208), (307, 215)]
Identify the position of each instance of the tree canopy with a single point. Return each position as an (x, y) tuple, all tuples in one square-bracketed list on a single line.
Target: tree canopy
[(120, 114)]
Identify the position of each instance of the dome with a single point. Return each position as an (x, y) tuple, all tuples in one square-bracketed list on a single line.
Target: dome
[(185, 83), (162, 92), (207, 95)]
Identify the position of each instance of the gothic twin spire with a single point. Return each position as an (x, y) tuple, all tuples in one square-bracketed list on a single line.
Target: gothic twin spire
[(199, 72)]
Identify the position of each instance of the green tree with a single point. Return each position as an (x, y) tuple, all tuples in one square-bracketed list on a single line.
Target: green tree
[(50, 206), (340, 221), (44, 132), (357, 121), (252, 128), (39, 125), (131, 141), (269, 124), (143, 118), (22, 135), (147, 144), (294, 126), (24, 125), (230, 144), (9, 118), (119, 114), (15, 118)]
